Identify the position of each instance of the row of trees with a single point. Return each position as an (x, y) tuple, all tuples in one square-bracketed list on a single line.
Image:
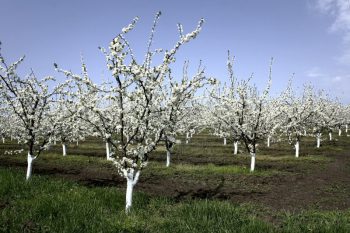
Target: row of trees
[(145, 105)]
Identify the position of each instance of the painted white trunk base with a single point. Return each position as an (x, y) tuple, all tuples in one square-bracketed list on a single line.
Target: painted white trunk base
[(30, 160), (131, 182), (3, 140), (224, 141), (187, 135), (346, 128), (252, 162), (330, 136), (318, 141), (339, 133), (128, 198), (235, 148), (297, 149), (168, 154), (268, 141), (108, 154), (64, 149)]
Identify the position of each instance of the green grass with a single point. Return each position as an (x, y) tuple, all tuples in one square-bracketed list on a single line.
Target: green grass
[(207, 169), (52, 205)]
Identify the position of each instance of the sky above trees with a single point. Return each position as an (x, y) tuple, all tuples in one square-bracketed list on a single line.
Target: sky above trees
[(310, 38)]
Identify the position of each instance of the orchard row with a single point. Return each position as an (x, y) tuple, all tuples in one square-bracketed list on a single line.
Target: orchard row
[(145, 106)]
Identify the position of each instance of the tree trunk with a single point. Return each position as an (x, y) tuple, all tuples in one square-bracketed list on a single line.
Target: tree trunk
[(168, 155), (318, 140), (108, 154), (64, 149), (77, 142), (54, 141), (131, 182), (252, 162), (330, 136), (3, 140), (297, 149), (235, 147), (187, 135), (346, 128), (339, 132), (30, 160), (268, 141), (224, 141)]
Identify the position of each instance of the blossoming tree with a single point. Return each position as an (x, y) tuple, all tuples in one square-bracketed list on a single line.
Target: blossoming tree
[(138, 92), (30, 102)]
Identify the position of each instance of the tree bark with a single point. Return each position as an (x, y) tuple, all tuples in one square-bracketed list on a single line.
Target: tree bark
[(131, 182), (108, 154), (235, 147), (168, 157), (3, 140), (187, 135), (297, 149), (30, 160), (225, 141), (330, 136), (252, 162), (64, 149), (339, 133), (318, 140), (268, 141)]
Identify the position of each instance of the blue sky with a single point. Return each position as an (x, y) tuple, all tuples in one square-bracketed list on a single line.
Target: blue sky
[(310, 38)]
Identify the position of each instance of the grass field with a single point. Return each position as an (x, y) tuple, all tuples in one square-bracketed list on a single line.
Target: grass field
[(206, 189)]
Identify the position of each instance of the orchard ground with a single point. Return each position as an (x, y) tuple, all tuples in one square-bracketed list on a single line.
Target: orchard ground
[(204, 183)]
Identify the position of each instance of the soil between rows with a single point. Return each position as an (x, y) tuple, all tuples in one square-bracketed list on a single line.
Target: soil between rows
[(314, 186)]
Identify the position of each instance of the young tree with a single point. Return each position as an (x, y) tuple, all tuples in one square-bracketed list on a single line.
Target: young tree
[(297, 114), (244, 111), (179, 96), (138, 94), (30, 102), (223, 113), (325, 117)]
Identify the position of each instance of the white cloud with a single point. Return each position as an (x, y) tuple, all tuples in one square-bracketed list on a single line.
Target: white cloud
[(337, 79), (340, 11), (314, 72)]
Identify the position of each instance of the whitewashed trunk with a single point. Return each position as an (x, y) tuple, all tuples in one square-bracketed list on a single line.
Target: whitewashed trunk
[(330, 136), (131, 182), (168, 155), (187, 135), (304, 132), (268, 141), (30, 160), (235, 147), (224, 141), (64, 149), (128, 197), (346, 128), (297, 146), (108, 154), (318, 140), (3, 140), (54, 142), (339, 133), (252, 162), (77, 142)]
